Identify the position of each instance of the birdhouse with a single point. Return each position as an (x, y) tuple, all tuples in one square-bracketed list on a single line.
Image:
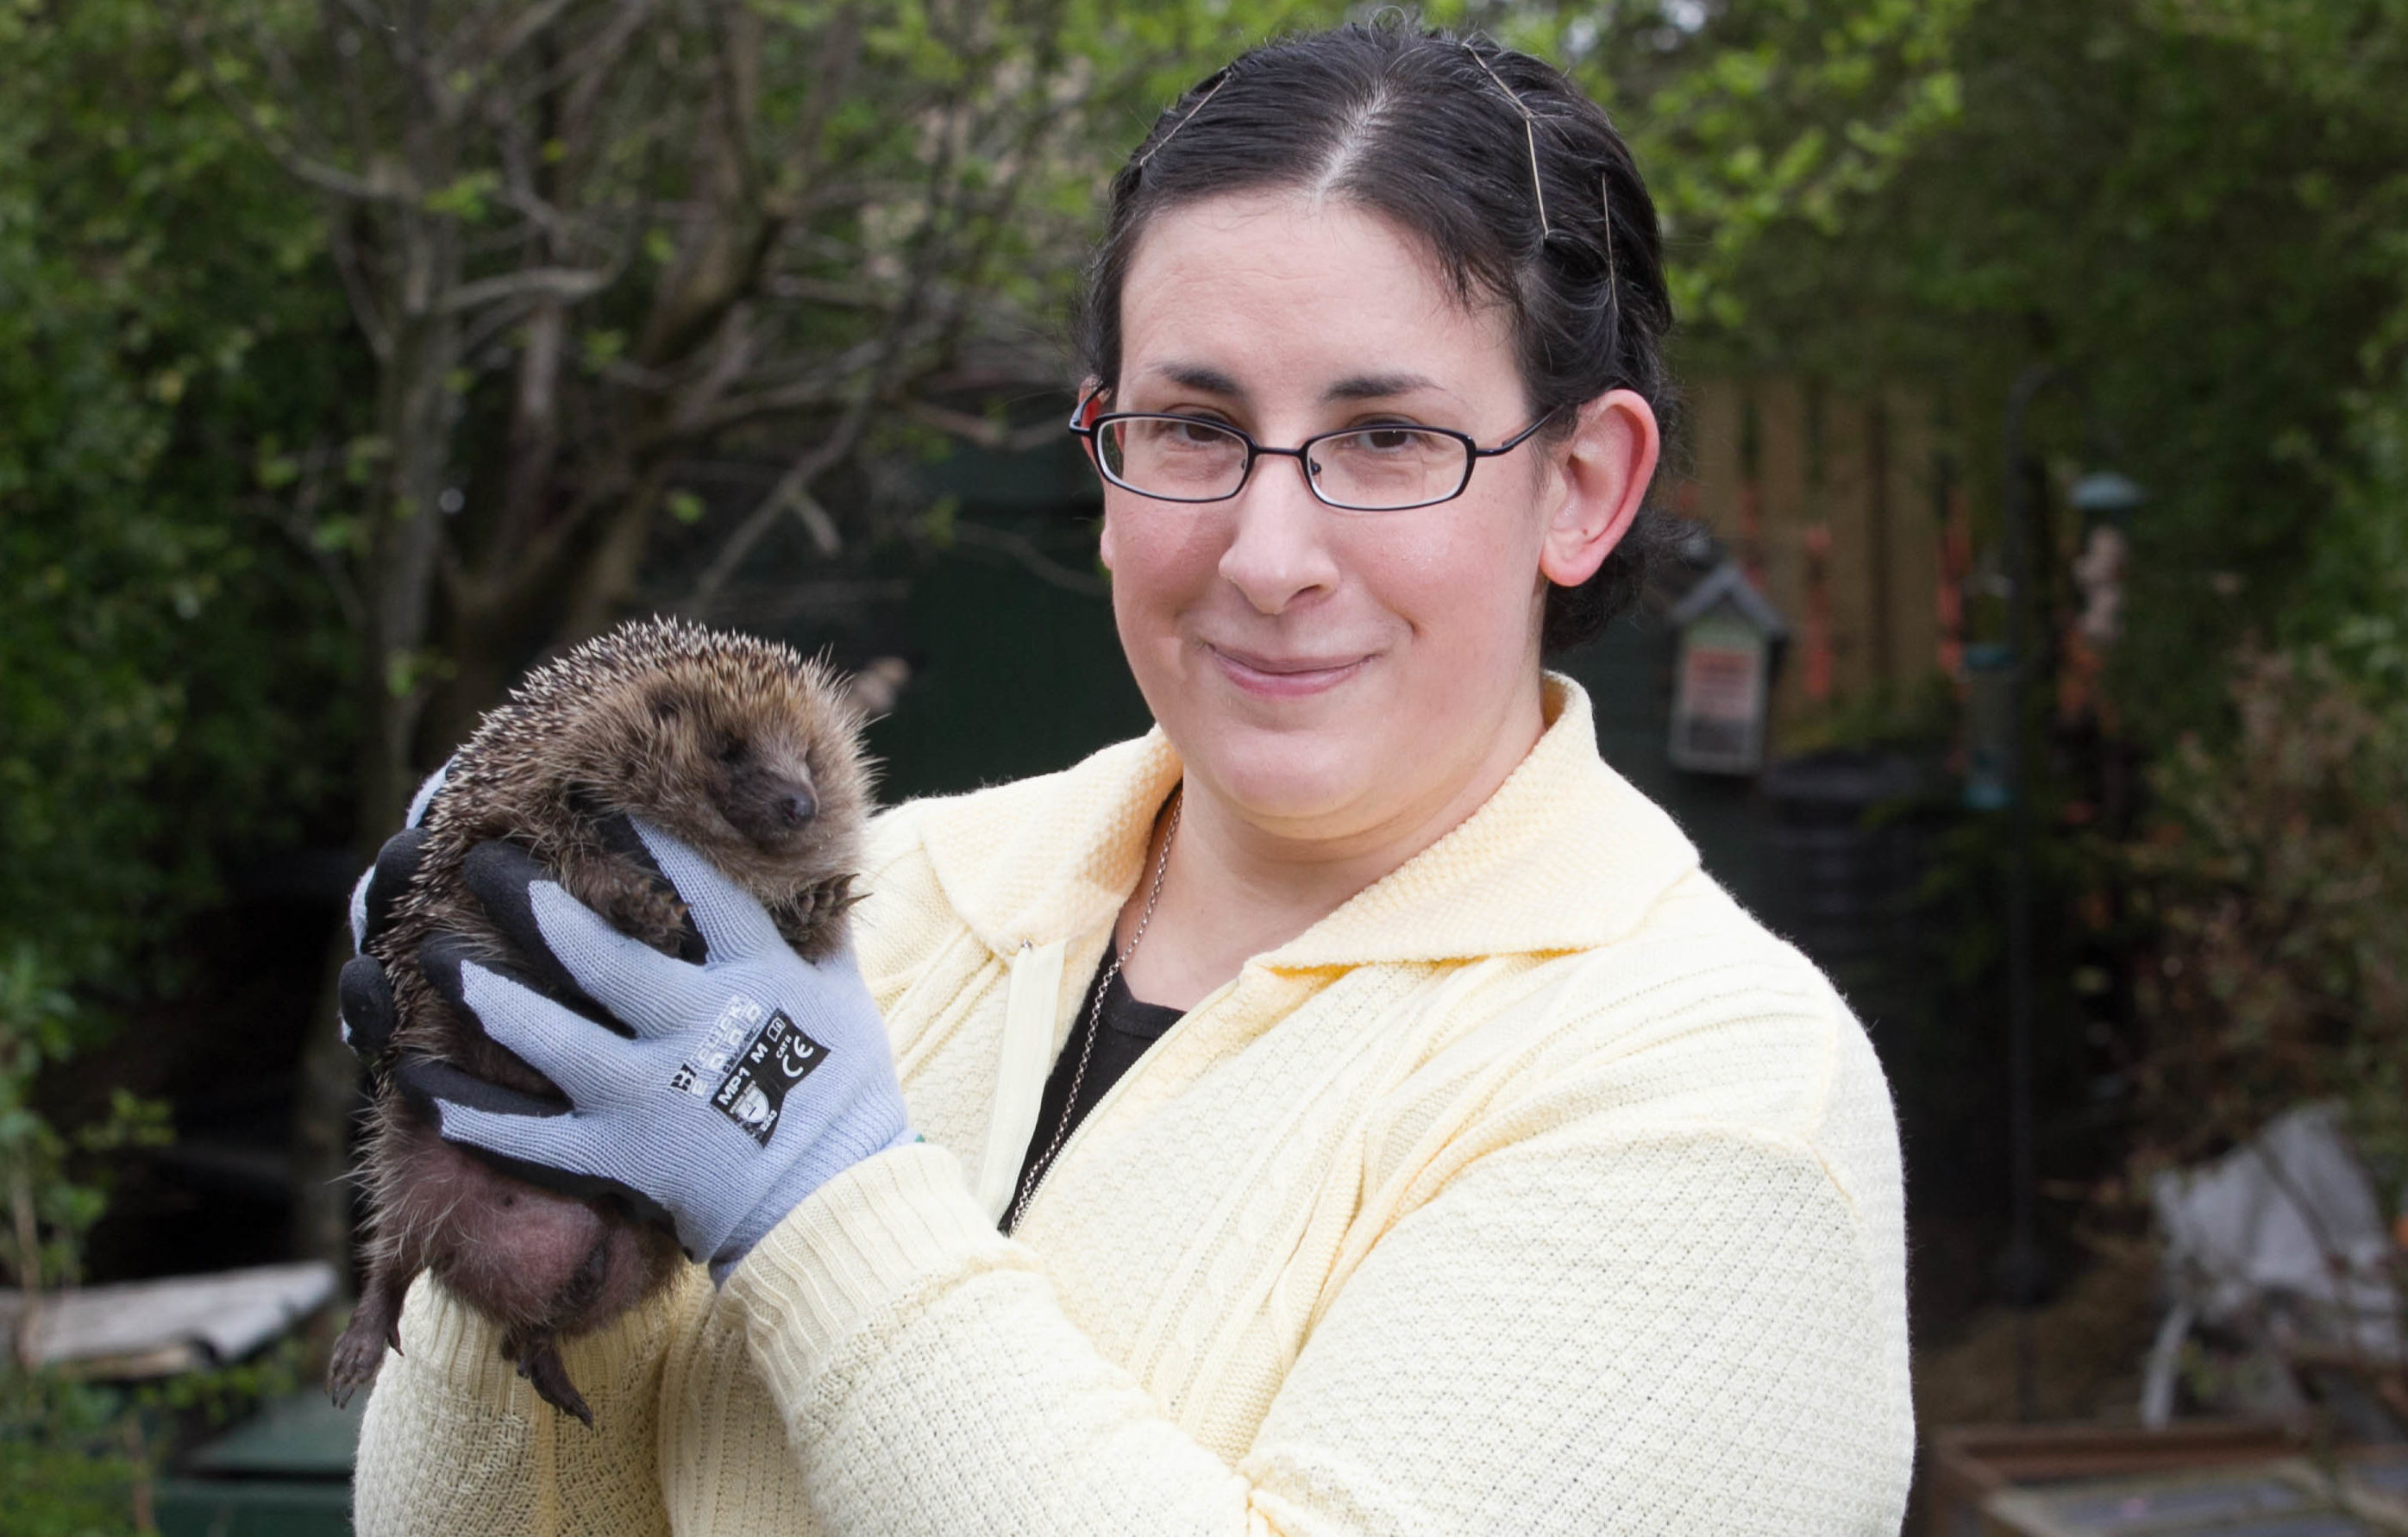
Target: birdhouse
[(1729, 637)]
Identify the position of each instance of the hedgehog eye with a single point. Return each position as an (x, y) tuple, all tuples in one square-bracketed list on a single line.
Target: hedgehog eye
[(733, 753)]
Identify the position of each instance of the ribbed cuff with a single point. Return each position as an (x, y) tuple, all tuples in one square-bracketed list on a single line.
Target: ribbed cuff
[(880, 1232)]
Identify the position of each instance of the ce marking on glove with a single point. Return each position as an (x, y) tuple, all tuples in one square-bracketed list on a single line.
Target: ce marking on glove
[(750, 1061)]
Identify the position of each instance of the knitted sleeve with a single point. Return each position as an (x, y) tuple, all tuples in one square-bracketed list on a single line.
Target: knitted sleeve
[(1594, 1328), (454, 1442)]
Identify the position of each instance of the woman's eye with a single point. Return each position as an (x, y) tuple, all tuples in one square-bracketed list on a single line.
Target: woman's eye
[(1173, 432), (1383, 440)]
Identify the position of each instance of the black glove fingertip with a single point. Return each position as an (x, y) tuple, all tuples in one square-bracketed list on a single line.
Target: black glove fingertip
[(501, 875), (424, 1083), (364, 997), (427, 1086), (397, 867), (444, 954)]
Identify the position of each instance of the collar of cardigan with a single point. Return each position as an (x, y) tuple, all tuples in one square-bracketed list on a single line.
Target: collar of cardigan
[(1565, 857)]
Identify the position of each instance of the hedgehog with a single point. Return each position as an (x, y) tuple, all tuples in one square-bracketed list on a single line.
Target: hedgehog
[(738, 747)]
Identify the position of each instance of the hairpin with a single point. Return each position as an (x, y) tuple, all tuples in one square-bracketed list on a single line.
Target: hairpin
[(1218, 81), (1529, 134), (1605, 196)]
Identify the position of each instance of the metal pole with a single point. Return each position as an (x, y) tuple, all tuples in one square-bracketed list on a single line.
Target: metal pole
[(2023, 1254)]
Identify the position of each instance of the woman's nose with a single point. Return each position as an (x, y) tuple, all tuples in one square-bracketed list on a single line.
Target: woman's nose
[(1279, 549)]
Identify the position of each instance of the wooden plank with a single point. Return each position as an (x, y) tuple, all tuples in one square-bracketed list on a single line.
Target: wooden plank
[(1965, 1465), (1715, 468), (1847, 495), (1781, 489), (1832, 496)]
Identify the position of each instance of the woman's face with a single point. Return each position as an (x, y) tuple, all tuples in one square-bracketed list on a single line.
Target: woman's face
[(1328, 674)]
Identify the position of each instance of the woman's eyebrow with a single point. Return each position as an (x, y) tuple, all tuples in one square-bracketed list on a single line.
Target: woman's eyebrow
[(1211, 381), (1196, 375), (1377, 386)]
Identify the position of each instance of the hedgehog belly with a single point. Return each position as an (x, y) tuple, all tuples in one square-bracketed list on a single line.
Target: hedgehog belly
[(535, 1260)]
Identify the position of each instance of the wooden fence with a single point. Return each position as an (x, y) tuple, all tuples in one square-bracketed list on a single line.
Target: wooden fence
[(1848, 516)]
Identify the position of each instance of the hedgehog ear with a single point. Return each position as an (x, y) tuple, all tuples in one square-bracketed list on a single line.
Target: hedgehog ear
[(667, 705)]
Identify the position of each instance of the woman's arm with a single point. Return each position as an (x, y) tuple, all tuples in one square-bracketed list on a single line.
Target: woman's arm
[(454, 1442), (1587, 1330)]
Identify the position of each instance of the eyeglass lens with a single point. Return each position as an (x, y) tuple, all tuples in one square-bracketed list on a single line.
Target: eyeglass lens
[(1370, 468)]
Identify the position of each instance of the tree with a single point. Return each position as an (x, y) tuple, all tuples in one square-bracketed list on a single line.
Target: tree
[(152, 334), (598, 249), (2195, 212)]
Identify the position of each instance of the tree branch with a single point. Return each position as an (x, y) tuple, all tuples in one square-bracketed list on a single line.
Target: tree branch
[(372, 321), (1036, 562), (983, 431), (326, 179), (792, 493), (566, 284)]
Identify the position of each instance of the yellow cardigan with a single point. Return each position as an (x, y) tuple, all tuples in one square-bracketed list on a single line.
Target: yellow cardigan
[(1535, 1189)]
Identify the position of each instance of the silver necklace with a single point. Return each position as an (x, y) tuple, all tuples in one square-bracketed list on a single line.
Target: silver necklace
[(1096, 1016)]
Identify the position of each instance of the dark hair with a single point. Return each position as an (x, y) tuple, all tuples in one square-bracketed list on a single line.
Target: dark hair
[(1429, 129)]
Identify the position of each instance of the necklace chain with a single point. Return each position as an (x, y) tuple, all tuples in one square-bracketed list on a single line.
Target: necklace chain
[(1096, 1018)]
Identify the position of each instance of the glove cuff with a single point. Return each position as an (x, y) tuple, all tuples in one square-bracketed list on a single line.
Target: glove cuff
[(834, 1152), (883, 1230)]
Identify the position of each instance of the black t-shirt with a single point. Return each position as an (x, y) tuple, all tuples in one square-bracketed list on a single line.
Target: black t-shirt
[(1129, 1027)]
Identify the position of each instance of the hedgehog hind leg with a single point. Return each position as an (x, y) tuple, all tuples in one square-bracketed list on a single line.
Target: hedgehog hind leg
[(536, 1353), (375, 1328), (533, 1348)]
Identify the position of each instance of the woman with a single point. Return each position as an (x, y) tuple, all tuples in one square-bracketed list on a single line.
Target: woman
[(1395, 1131)]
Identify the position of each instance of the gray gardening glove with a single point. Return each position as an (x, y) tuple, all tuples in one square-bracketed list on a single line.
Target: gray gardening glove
[(721, 1093)]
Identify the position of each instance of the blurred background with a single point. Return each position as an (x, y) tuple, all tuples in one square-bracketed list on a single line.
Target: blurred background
[(2040, 663)]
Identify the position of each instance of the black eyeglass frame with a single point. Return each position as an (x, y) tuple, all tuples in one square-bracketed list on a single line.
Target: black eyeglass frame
[(1472, 452)]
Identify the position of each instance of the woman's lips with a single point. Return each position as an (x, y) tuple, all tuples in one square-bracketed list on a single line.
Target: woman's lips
[(1283, 677)]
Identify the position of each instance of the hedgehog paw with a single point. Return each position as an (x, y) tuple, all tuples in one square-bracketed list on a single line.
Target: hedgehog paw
[(538, 1359)]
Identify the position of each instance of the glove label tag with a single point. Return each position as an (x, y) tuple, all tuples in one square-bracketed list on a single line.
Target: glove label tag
[(753, 1056)]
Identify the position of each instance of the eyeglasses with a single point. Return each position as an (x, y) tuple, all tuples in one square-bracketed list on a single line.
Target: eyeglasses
[(1382, 467)]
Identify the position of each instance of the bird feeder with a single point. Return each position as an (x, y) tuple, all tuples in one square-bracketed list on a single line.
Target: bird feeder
[(1729, 639)]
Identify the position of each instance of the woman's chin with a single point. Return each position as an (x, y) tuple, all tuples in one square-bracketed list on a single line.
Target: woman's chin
[(1287, 785)]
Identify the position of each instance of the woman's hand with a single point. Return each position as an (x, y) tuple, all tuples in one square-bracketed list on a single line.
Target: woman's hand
[(720, 1094)]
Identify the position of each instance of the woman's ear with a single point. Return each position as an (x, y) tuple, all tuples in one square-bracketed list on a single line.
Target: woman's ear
[(1605, 468)]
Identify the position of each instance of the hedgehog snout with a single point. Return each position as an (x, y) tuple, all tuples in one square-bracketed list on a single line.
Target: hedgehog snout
[(770, 808)]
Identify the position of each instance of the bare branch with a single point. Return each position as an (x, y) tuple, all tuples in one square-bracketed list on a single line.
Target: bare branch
[(792, 494), (373, 323), (527, 28), (587, 70), (840, 54), (566, 284), (1035, 561), (985, 433), (311, 172), (294, 521), (823, 386)]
